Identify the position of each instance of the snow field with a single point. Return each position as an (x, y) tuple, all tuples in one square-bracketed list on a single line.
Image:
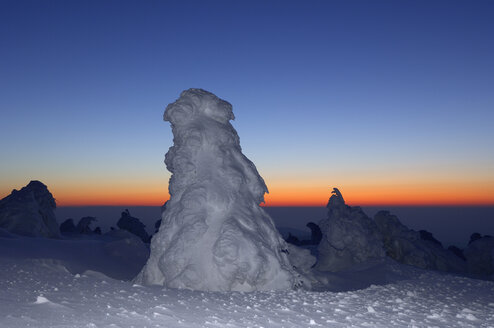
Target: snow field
[(37, 293)]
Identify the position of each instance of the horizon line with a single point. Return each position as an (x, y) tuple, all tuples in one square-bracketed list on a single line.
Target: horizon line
[(309, 205)]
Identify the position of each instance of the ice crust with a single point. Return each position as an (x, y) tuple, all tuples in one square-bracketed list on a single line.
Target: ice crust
[(214, 235)]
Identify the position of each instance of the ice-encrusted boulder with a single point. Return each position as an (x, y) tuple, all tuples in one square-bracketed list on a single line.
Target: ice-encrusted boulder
[(29, 212), (133, 225), (349, 236), (214, 235), (480, 256), (415, 248)]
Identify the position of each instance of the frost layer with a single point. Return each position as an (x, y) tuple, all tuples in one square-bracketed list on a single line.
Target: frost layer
[(29, 212), (214, 235)]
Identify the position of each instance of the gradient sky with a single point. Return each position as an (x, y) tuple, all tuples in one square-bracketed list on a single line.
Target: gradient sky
[(391, 101)]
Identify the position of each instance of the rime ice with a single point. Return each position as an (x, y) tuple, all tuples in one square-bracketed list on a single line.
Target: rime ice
[(214, 235)]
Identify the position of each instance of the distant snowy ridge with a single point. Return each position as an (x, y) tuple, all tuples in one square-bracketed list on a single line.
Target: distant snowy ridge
[(214, 235)]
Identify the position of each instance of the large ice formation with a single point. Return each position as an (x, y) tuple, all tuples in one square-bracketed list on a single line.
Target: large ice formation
[(214, 235), (417, 248), (29, 212), (349, 236)]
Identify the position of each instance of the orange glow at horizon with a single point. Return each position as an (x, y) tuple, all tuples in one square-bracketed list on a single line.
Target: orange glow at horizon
[(130, 193), (384, 195), (282, 193), (297, 196)]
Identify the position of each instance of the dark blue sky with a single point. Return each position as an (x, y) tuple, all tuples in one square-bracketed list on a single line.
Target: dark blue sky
[(356, 94)]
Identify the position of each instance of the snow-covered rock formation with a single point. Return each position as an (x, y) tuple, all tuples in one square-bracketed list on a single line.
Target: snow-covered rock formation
[(133, 225), (349, 236), (480, 256), (29, 212), (415, 248), (214, 235)]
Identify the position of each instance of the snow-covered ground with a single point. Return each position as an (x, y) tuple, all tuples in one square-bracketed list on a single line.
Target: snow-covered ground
[(45, 289)]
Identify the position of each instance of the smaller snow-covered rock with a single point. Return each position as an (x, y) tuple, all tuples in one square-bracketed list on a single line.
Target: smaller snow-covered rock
[(68, 226), (415, 248), (29, 212), (84, 225), (480, 256), (133, 225), (349, 236)]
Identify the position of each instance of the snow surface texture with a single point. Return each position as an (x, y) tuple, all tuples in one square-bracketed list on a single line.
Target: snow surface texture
[(214, 235), (42, 293), (406, 246), (29, 212), (349, 237)]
